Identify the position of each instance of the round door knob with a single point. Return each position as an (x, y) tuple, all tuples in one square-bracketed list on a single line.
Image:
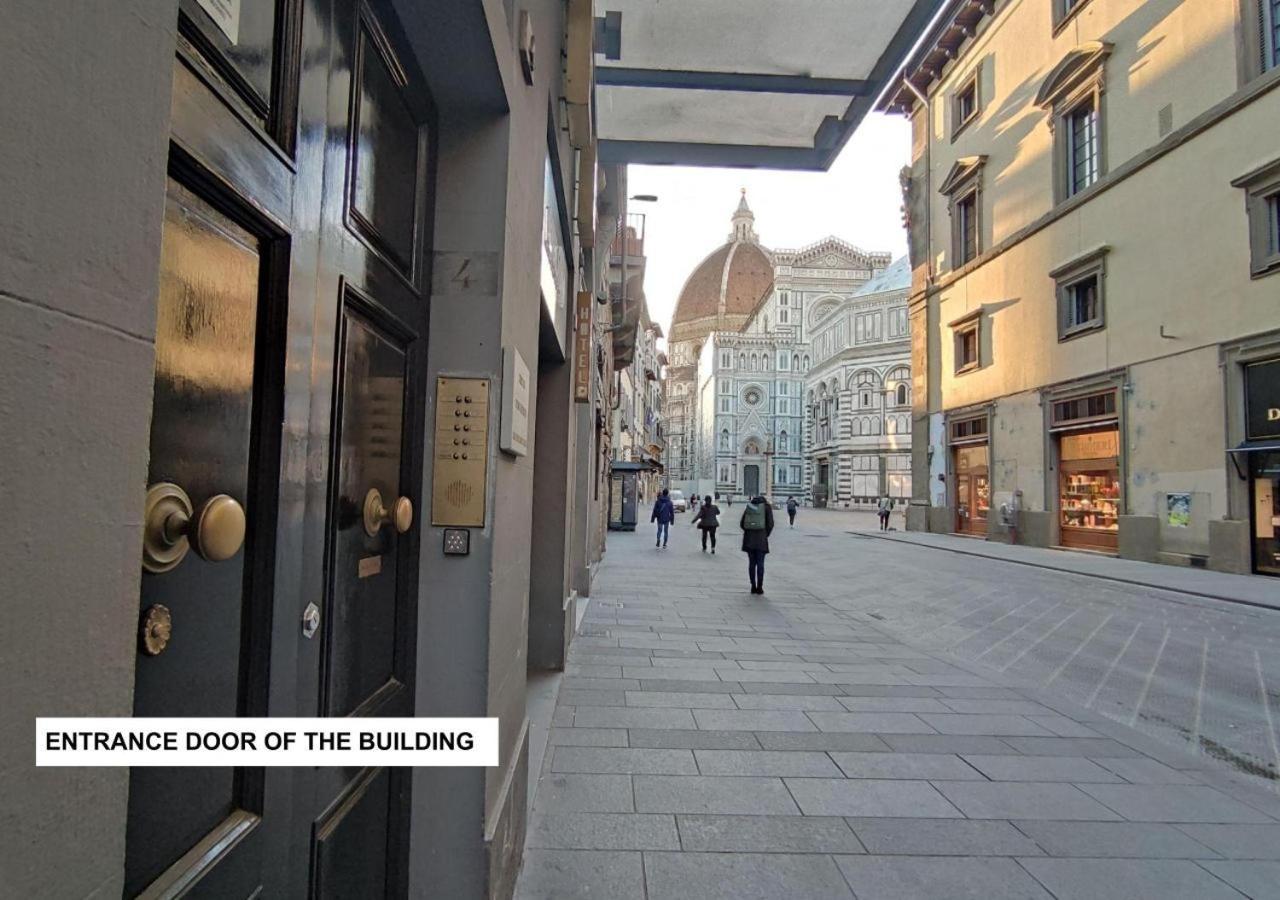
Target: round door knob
[(376, 514), (172, 526), (219, 528)]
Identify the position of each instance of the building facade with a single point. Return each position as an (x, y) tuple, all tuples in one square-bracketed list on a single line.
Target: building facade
[(1094, 206), (637, 432), (313, 265), (857, 393), (741, 354)]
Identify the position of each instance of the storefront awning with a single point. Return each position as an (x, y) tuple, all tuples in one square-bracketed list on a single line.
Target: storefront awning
[(1255, 446), (753, 83)]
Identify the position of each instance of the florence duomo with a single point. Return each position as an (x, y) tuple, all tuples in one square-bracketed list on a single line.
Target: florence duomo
[(790, 372)]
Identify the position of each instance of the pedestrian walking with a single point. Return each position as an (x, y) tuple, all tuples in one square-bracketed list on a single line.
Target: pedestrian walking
[(792, 506), (883, 508), (757, 525), (708, 520), (664, 513)]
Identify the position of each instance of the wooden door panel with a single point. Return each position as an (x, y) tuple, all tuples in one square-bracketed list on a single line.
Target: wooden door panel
[(351, 842), (385, 148), (364, 609), (202, 425)]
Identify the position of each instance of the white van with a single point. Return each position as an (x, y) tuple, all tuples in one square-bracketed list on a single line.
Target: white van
[(678, 501)]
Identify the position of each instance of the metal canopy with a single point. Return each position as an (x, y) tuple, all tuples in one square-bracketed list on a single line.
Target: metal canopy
[(769, 83)]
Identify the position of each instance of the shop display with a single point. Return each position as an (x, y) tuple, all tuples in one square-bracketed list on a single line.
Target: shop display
[(1091, 500)]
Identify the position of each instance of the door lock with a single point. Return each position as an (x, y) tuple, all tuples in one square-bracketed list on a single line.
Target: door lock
[(310, 621), (172, 526), (376, 515)]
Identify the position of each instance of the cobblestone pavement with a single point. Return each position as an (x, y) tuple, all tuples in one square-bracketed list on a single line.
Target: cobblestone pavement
[(817, 742)]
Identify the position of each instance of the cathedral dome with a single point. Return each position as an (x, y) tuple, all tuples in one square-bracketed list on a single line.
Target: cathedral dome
[(726, 287)]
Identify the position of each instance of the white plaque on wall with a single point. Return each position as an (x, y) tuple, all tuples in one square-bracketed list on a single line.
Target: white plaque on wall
[(226, 15), (514, 437)]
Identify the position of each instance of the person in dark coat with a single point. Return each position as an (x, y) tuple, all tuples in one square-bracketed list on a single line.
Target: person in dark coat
[(664, 513), (708, 520), (757, 525)]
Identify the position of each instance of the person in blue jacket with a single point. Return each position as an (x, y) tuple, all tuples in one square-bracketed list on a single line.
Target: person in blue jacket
[(664, 513)]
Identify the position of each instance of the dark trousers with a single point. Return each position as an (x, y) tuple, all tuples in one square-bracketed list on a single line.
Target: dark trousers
[(791, 514), (664, 528), (712, 533), (755, 567)]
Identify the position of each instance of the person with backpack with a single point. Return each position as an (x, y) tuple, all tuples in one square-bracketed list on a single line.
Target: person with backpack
[(792, 506), (884, 507), (664, 513), (757, 525), (708, 520)]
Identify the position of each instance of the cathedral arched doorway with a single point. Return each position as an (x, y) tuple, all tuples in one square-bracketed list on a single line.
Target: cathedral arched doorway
[(751, 480)]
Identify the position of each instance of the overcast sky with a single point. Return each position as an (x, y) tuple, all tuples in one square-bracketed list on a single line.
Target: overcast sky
[(859, 200)]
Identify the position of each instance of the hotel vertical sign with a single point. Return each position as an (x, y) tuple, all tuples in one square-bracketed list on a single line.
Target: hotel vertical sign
[(582, 348)]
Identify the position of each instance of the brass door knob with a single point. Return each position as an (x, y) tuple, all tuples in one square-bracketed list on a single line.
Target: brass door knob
[(172, 526), (376, 514)]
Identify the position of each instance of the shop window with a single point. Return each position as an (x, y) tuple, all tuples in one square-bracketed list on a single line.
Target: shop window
[(1080, 288), (1262, 205), (965, 104), (1072, 94), (963, 188)]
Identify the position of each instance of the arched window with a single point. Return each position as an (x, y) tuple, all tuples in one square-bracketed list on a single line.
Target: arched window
[(902, 394), (764, 362), (806, 362), (742, 361), (782, 443), (724, 439), (795, 362)]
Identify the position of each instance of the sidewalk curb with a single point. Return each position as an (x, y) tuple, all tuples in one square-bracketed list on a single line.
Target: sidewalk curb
[(1039, 565)]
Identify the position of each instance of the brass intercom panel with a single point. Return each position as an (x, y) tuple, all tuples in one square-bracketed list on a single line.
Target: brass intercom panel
[(461, 448)]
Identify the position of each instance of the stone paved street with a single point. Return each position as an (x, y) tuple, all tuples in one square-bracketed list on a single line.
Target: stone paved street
[(883, 724)]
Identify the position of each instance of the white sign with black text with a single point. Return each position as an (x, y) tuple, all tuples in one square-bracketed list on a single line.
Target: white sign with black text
[(514, 437)]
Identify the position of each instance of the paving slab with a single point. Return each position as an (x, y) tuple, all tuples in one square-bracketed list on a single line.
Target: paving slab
[(742, 876), (729, 795), (1119, 839), (603, 831), (1041, 768), (937, 878), (942, 837), (585, 874), (1257, 880), (623, 760), (870, 797), (1009, 800), (919, 766), (1238, 841), (778, 763), (694, 739), (1173, 803), (767, 834), (1126, 879)]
